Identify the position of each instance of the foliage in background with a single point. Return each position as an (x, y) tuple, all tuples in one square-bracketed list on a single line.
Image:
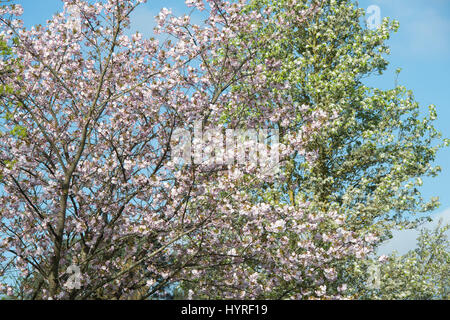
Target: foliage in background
[(420, 274)]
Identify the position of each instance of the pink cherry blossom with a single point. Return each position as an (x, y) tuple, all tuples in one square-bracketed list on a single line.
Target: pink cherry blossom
[(92, 182)]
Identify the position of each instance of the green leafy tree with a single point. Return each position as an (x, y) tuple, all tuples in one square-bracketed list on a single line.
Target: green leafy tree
[(9, 65), (420, 274), (368, 161)]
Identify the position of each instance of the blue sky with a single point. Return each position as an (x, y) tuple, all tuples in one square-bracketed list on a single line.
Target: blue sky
[(421, 48)]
